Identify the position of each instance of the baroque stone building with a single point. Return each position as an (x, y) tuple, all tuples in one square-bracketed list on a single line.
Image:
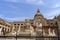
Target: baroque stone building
[(38, 26)]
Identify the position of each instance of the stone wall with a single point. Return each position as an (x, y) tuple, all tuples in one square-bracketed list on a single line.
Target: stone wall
[(29, 38), (17, 39)]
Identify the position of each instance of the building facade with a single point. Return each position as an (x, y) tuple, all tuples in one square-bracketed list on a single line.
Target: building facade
[(36, 27)]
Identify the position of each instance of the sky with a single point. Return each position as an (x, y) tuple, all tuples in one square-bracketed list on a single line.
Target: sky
[(19, 10)]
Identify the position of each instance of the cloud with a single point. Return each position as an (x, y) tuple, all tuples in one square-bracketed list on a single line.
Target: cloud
[(37, 2), (12, 19), (50, 4), (1, 16), (15, 1), (28, 1), (11, 0), (15, 18), (57, 5), (12, 6), (52, 13)]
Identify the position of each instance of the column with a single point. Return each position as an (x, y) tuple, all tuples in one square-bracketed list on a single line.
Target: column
[(43, 32), (13, 30), (54, 33), (19, 30), (0, 30), (49, 32)]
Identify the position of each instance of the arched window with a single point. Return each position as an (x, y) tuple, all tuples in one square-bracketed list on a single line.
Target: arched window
[(0, 26)]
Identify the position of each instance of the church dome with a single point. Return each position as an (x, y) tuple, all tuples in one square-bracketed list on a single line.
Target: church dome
[(38, 13)]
